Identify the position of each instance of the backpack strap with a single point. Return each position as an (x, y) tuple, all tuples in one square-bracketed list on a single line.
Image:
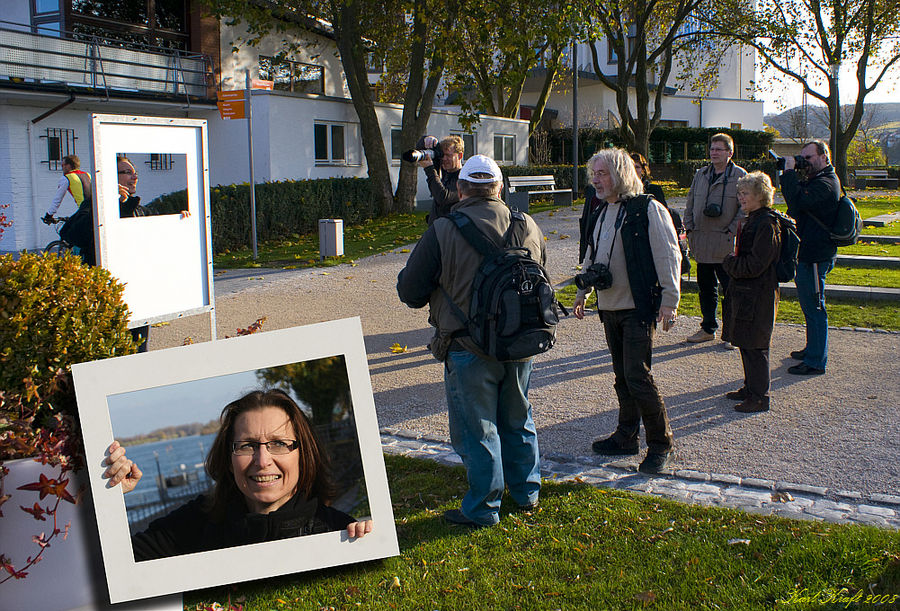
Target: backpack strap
[(820, 223)]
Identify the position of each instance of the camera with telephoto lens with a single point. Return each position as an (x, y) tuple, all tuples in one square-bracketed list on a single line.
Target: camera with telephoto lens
[(597, 276), (800, 162), (415, 156)]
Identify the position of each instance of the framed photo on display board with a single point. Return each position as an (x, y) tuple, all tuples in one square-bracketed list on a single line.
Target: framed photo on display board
[(152, 223), (164, 406)]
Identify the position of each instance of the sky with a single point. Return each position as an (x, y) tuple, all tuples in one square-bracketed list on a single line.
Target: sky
[(142, 411), (780, 97)]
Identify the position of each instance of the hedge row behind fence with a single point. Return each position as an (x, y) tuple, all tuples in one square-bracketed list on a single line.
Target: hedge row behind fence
[(282, 208), (681, 172), (667, 144)]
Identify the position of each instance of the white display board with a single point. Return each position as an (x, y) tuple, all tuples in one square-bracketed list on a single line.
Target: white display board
[(182, 381), (165, 260)]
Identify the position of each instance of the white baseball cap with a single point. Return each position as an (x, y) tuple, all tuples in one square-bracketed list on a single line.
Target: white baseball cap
[(480, 164)]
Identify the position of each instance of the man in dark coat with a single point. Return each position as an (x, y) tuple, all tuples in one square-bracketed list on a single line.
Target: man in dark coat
[(818, 197)]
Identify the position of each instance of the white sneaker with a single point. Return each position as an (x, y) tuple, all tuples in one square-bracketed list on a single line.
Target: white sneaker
[(729, 346), (701, 336)]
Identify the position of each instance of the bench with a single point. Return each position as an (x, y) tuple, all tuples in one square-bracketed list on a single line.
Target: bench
[(874, 178), (519, 192)]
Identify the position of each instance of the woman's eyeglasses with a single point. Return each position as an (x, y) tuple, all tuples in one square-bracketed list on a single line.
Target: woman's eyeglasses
[(274, 447)]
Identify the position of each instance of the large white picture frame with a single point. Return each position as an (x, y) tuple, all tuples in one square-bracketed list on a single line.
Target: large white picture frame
[(165, 261), (99, 384)]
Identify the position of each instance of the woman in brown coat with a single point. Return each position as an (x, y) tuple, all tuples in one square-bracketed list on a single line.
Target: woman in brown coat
[(751, 300)]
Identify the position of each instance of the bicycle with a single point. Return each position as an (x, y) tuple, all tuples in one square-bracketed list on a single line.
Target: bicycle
[(58, 247)]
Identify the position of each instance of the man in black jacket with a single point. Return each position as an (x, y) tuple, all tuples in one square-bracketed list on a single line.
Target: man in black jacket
[(442, 180), (815, 198), (491, 424)]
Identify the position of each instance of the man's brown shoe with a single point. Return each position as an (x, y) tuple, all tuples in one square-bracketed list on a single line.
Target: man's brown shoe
[(701, 336), (751, 405)]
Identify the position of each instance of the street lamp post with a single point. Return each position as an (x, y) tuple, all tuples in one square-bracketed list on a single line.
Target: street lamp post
[(836, 115)]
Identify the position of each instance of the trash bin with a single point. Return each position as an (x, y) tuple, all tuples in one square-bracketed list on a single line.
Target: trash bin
[(331, 238)]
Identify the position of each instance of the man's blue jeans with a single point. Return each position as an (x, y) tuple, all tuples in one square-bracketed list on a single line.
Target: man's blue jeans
[(810, 281), (492, 431)]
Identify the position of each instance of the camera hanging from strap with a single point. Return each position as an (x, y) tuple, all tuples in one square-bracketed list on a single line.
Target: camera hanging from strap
[(620, 216)]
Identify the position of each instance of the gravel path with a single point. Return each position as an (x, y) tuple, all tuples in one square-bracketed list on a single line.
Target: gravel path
[(840, 430)]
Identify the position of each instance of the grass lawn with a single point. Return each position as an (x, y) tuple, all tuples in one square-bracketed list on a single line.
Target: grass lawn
[(872, 249), (587, 548), (841, 312), (299, 251)]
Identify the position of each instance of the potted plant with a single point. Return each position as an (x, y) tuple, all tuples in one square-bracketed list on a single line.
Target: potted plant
[(54, 311)]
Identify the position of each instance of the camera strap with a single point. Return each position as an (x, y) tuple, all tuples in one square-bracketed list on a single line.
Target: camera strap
[(620, 216), (712, 174)]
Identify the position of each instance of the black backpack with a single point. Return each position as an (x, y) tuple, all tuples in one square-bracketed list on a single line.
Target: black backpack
[(848, 223), (786, 264), (513, 310)]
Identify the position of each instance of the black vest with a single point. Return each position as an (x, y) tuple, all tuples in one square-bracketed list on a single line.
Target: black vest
[(645, 288)]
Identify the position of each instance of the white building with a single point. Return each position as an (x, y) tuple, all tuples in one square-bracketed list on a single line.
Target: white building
[(58, 65), (730, 104)]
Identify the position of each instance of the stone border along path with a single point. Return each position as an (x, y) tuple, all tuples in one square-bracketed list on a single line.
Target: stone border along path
[(753, 495)]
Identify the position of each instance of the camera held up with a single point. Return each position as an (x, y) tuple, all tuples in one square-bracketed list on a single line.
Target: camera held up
[(597, 276), (415, 156), (799, 161)]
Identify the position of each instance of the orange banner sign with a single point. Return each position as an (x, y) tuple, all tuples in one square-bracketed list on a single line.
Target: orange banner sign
[(232, 109)]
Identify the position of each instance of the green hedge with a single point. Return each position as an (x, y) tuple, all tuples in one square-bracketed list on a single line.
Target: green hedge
[(282, 208), (682, 172), (696, 140)]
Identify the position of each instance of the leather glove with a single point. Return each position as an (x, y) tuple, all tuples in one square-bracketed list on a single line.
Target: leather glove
[(48, 219)]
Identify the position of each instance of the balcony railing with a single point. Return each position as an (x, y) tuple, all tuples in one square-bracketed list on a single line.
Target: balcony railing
[(91, 63)]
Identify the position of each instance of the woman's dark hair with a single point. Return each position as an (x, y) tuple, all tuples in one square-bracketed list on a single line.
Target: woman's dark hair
[(315, 472), (645, 166)]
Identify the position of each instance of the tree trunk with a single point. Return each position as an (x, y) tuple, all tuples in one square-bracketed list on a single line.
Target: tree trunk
[(353, 60)]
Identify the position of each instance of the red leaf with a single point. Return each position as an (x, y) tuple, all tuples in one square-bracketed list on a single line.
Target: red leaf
[(44, 486), (37, 511)]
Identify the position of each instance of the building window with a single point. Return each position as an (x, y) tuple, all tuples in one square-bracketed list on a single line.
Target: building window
[(672, 123), (329, 143), (735, 126), (160, 161), (505, 149), (60, 142), (292, 76), (45, 17), (395, 143), (468, 143), (158, 23)]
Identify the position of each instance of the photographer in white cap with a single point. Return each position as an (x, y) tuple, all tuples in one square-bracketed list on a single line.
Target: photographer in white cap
[(491, 427)]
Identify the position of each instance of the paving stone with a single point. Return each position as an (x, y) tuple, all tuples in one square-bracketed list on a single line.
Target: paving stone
[(725, 479), (692, 475), (765, 510), (885, 499), (623, 464), (434, 438), (800, 502), (871, 520), (802, 488), (755, 482), (829, 515), (449, 459), (708, 488), (603, 474), (753, 497), (878, 511), (793, 514), (832, 505), (706, 498), (848, 494)]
